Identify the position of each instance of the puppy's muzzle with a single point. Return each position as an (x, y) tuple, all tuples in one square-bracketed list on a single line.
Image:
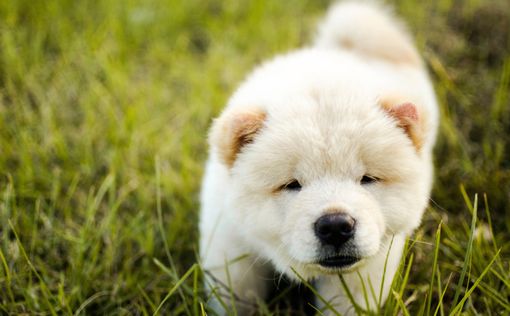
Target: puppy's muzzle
[(335, 229), (334, 232)]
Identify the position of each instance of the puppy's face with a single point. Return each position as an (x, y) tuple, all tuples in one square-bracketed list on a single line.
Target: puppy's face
[(320, 186)]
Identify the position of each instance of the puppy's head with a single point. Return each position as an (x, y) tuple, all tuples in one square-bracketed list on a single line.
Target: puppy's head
[(321, 185)]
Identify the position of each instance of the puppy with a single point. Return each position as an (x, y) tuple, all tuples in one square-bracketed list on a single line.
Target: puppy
[(320, 166)]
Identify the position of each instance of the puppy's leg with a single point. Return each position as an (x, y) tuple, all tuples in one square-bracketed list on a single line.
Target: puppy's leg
[(234, 278), (365, 284)]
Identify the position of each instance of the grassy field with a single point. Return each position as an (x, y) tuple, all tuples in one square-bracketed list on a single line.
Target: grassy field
[(104, 108)]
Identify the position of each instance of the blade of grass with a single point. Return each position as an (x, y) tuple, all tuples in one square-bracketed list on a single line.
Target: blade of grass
[(469, 249), (318, 311), (314, 291), (160, 221), (46, 293), (364, 288), (160, 213), (406, 275), (175, 287), (202, 309), (501, 98), (7, 276), (439, 307), (405, 279), (383, 279), (465, 196), (400, 303), (491, 230), (459, 306), (434, 268), (230, 289), (195, 291), (347, 291), (496, 296), (88, 301), (146, 297)]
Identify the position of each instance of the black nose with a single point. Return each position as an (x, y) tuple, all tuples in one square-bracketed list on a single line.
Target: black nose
[(334, 229)]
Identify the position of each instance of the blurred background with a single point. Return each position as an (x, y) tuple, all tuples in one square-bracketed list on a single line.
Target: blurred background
[(104, 111)]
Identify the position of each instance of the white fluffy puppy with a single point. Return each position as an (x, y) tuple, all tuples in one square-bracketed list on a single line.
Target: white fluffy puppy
[(320, 161)]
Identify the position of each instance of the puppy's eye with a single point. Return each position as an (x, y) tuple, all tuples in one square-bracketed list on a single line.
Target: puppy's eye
[(294, 185), (368, 179)]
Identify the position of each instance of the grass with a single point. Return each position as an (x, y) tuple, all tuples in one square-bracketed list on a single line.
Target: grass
[(104, 108)]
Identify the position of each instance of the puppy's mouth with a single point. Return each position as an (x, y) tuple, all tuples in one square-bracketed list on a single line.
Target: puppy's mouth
[(338, 262)]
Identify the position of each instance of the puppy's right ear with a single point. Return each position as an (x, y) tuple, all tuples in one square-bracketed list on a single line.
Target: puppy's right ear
[(233, 130)]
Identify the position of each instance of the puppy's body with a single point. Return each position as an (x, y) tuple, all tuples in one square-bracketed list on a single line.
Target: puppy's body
[(320, 162)]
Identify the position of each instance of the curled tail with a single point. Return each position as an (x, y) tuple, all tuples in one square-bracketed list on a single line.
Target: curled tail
[(369, 29)]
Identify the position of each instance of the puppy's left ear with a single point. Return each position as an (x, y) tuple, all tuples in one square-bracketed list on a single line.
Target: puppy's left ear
[(409, 119), (233, 130)]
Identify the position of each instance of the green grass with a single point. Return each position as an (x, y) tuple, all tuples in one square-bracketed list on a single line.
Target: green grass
[(104, 108)]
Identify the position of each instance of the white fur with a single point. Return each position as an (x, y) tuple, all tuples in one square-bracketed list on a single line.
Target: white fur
[(323, 126)]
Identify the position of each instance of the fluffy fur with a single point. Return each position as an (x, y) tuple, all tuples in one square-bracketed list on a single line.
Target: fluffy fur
[(357, 102)]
